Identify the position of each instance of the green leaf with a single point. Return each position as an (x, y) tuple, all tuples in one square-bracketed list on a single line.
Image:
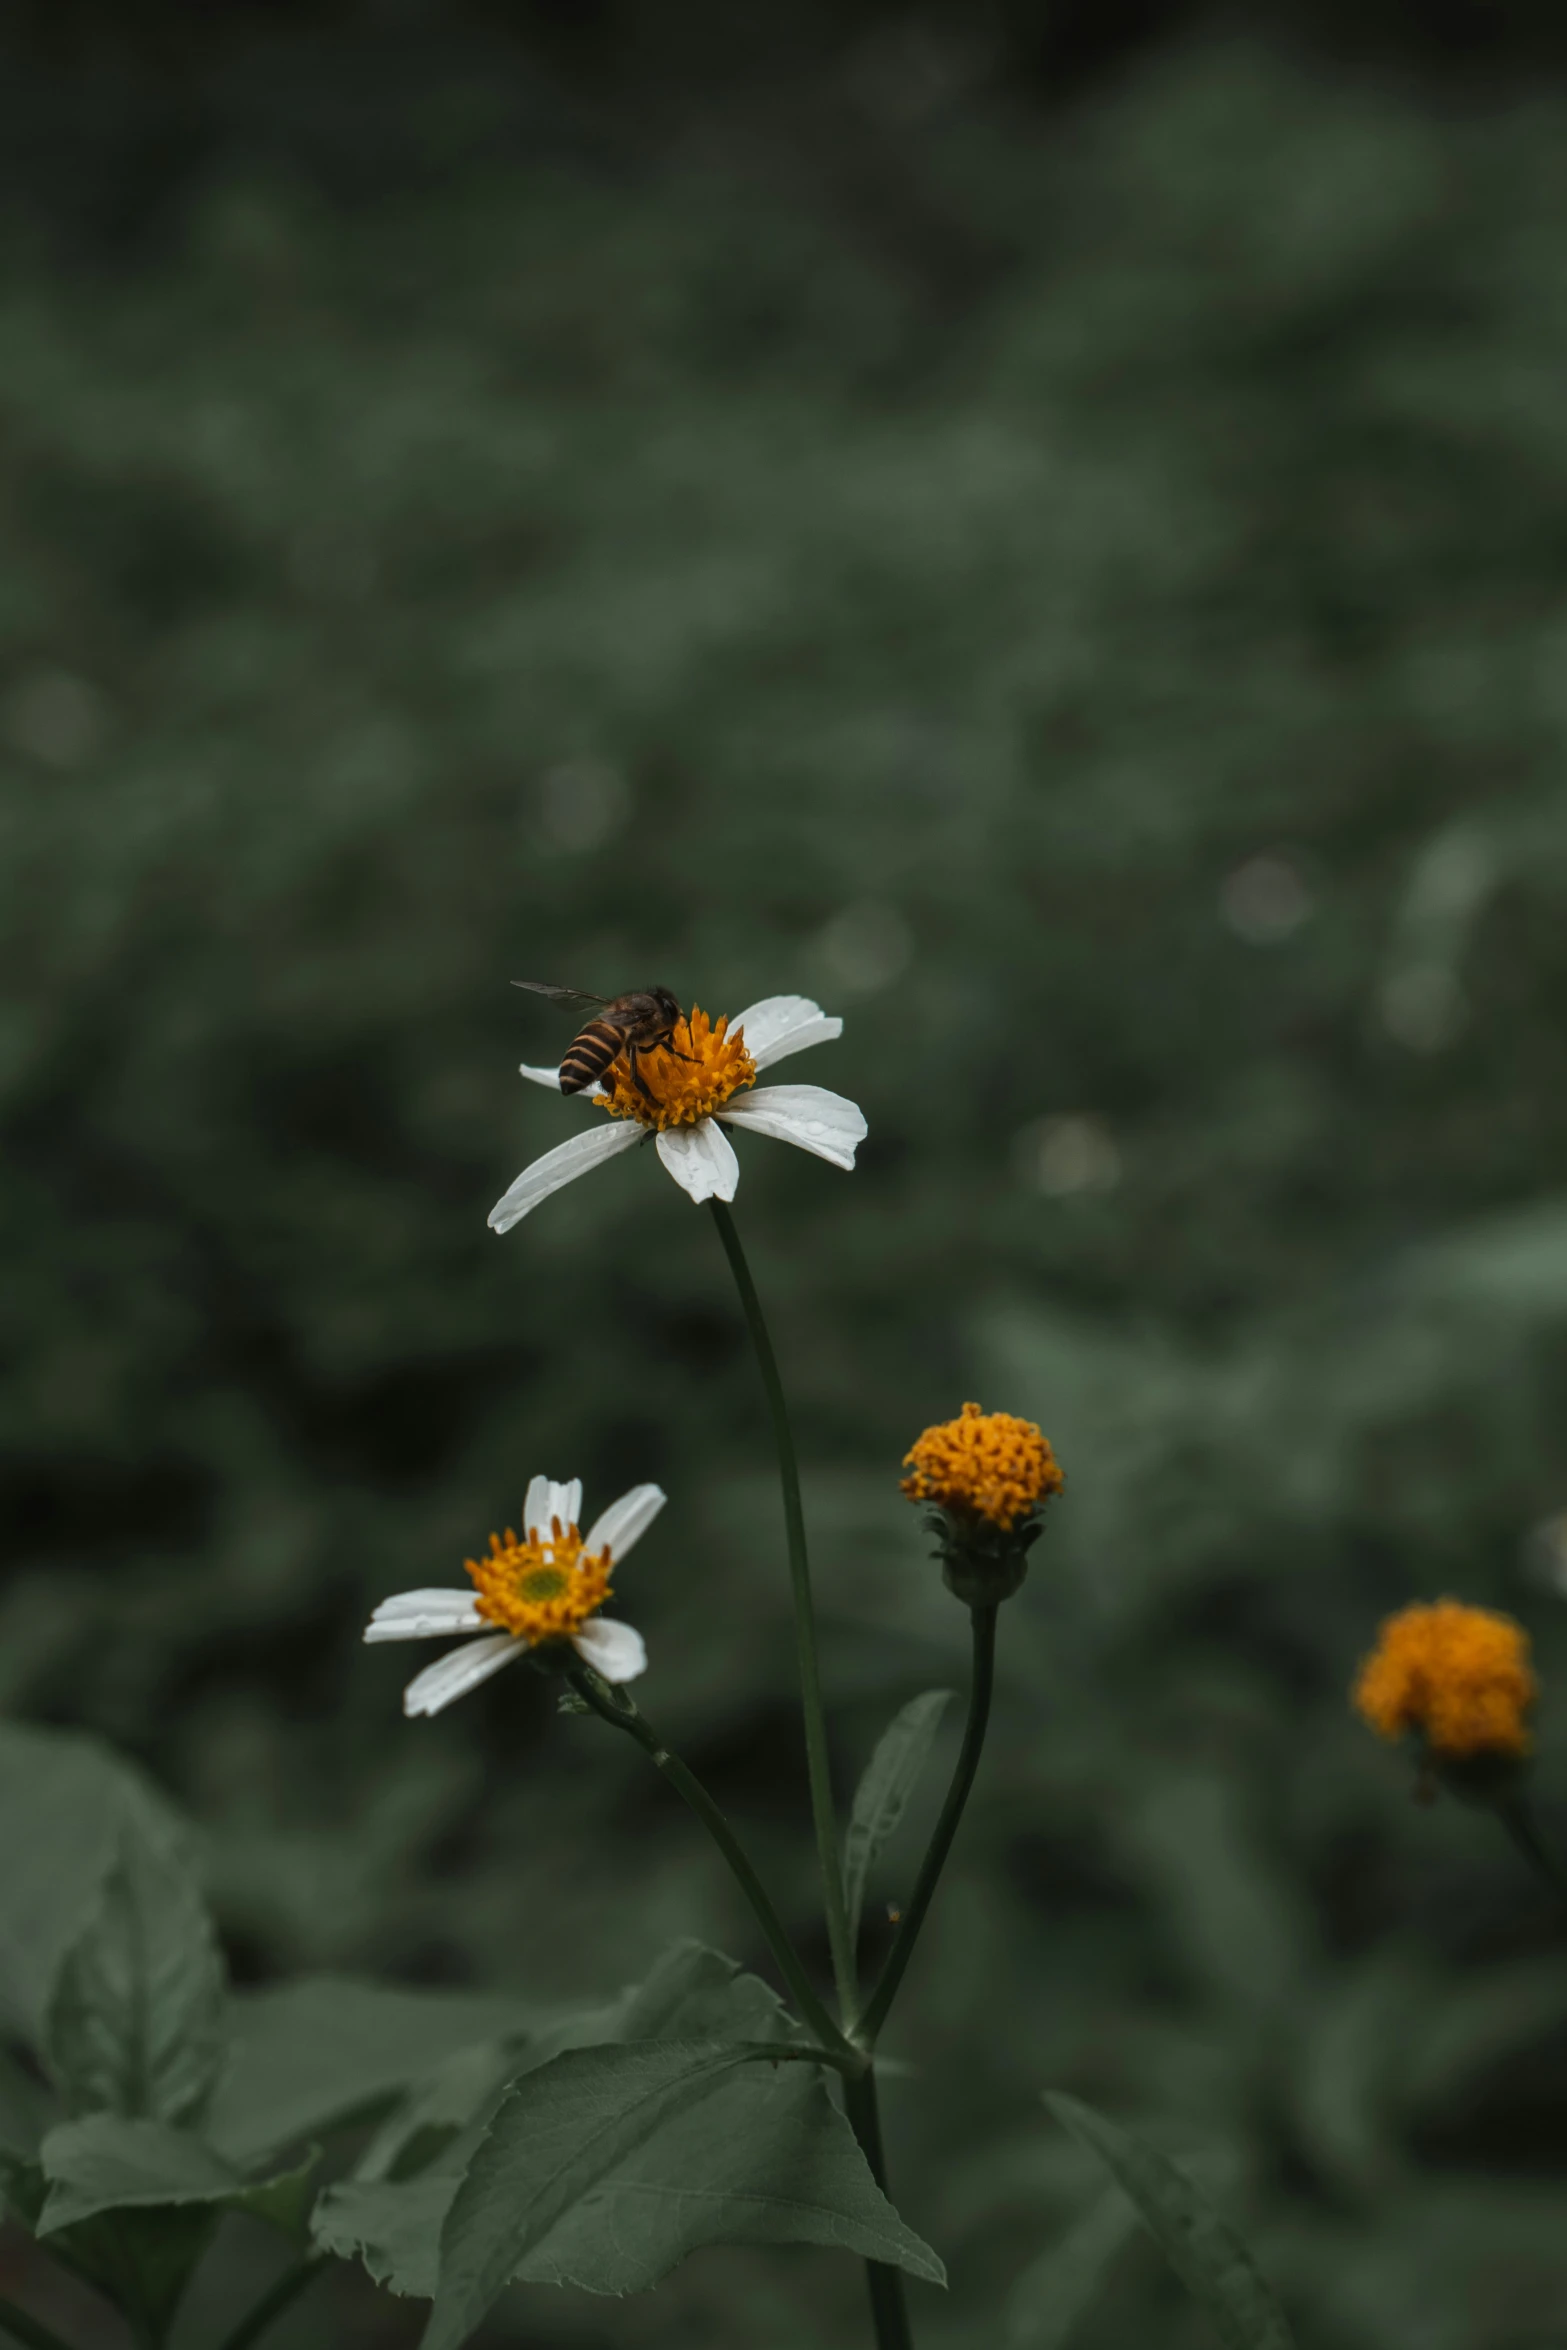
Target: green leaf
[(639, 2146), (766, 2159), (882, 1796), (105, 2163), (324, 2050), (135, 2021), (1055, 2291), (1204, 2250), (63, 1801), (764, 2156)]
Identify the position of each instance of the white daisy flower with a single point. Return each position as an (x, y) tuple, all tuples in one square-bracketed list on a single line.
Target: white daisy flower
[(548, 1586), (690, 1097)]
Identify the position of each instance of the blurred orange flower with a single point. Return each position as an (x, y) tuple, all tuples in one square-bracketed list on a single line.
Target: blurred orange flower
[(1458, 1675)]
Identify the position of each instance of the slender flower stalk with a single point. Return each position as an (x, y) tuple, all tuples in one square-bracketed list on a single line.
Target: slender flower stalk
[(272, 2304), (980, 1686), (818, 1764), (619, 1709), (30, 2330), (984, 1479), (889, 2309)]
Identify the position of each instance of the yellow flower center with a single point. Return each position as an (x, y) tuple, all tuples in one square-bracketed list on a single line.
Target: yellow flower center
[(987, 1464), (542, 1589), (1459, 1675), (706, 1066)]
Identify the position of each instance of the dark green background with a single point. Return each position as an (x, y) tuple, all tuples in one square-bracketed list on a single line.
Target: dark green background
[(884, 534)]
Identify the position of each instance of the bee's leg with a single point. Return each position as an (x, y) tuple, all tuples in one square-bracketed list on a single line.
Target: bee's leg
[(637, 1078), (667, 1044)]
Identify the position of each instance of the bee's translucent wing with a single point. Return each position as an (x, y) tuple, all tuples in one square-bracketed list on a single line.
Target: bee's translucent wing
[(578, 998)]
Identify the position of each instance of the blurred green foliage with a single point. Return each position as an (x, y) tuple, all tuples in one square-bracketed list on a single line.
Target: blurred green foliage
[(1084, 597), (645, 46)]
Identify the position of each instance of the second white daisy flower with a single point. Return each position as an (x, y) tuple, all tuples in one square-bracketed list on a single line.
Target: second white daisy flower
[(546, 1587)]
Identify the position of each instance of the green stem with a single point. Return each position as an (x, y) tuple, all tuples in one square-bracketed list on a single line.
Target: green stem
[(980, 1686), (889, 2311), (272, 2304), (621, 1711), (816, 1756), (30, 2330)]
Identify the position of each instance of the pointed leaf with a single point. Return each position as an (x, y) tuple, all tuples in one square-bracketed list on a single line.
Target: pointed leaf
[(882, 1796), (135, 2021), (764, 2156), (1203, 2249), (767, 2158), (105, 2163)]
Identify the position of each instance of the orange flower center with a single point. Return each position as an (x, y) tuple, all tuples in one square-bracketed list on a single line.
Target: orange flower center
[(685, 1085), (986, 1464), (1459, 1675), (543, 1588)]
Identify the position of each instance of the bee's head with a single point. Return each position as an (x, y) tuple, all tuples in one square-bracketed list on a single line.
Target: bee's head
[(668, 1002)]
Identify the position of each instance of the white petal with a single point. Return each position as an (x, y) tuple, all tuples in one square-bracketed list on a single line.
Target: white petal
[(546, 1501), (624, 1522), (782, 1024), (424, 1615), (701, 1160), (549, 1077), (566, 1503), (614, 1650), (458, 1671), (536, 1506), (806, 1115), (563, 1165)]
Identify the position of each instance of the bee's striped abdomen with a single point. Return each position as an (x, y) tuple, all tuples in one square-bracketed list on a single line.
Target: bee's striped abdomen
[(590, 1055)]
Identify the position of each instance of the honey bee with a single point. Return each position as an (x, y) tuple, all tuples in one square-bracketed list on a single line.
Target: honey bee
[(639, 1022)]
